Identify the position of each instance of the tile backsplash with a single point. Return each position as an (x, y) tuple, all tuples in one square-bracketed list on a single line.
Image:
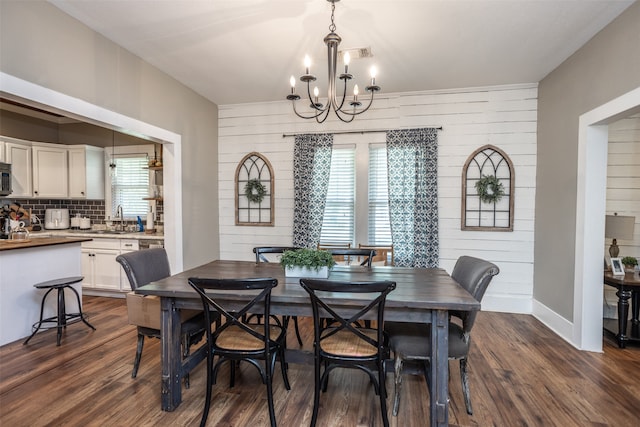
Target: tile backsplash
[(92, 209)]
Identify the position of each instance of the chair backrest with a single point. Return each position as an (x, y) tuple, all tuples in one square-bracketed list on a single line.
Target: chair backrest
[(347, 320), (349, 255), (260, 293), (327, 246), (261, 250), (384, 254), (145, 266), (473, 274)]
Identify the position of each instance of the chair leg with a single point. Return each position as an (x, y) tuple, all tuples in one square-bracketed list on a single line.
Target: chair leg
[(136, 362), (186, 339), (397, 379), (465, 385), (383, 393), (269, 380), (316, 391), (295, 325)]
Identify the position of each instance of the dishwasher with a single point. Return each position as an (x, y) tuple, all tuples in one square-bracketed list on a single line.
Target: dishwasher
[(150, 244)]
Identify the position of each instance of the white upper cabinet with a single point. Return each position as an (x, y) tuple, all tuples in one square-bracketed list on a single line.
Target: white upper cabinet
[(18, 153), (2, 151), (50, 171), (86, 172)]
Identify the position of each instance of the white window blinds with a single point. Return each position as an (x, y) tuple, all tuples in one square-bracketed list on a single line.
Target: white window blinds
[(379, 226), (338, 222), (130, 185)]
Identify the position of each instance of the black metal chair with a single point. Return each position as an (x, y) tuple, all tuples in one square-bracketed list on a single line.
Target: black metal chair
[(236, 341), (343, 343), (143, 267), (260, 252), (362, 256), (411, 341)]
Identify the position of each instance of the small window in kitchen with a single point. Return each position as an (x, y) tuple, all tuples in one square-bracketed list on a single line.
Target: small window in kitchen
[(129, 185)]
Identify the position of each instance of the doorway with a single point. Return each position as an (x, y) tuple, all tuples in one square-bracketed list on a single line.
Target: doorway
[(31, 94), (590, 217)]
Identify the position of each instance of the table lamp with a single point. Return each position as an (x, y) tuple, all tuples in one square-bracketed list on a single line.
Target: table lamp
[(618, 227)]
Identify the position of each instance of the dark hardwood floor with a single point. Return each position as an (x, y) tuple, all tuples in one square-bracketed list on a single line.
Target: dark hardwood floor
[(521, 374)]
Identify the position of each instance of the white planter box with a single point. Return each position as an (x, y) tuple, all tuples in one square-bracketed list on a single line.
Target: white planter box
[(321, 273)]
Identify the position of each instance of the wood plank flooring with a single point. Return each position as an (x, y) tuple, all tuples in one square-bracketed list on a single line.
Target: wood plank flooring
[(521, 374)]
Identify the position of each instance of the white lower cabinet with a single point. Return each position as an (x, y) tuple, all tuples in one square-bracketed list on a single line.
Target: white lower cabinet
[(100, 269)]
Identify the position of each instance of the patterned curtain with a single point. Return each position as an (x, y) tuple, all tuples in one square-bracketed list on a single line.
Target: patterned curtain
[(412, 161), (311, 168)]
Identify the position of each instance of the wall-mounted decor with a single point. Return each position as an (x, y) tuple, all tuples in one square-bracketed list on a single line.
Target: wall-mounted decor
[(254, 191), (487, 190)]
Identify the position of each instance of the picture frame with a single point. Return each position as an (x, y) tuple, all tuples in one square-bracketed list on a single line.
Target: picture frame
[(617, 269)]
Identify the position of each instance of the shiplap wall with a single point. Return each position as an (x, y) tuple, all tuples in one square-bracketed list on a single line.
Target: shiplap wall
[(623, 190), (504, 116)]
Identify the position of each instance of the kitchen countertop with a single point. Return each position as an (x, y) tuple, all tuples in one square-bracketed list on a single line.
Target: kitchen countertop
[(96, 234), (6, 245)]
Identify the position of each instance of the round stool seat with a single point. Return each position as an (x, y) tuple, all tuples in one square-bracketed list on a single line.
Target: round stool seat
[(63, 318), (58, 283)]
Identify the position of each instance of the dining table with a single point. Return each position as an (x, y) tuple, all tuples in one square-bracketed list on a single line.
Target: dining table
[(422, 295)]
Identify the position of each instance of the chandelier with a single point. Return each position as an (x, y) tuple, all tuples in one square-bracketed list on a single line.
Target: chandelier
[(319, 111)]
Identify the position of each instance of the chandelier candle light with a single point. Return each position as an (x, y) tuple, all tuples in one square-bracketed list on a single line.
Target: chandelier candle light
[(320, 112)]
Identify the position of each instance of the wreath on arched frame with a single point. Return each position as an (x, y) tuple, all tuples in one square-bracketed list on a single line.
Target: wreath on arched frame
[(490, 189), (254, 191), (488, 179)]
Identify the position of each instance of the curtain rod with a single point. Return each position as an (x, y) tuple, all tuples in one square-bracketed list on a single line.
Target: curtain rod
[(287, 135)]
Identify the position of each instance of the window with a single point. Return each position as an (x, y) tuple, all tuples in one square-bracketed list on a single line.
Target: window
[(128, 185), (357, 204), (338, 223), (379, 226)]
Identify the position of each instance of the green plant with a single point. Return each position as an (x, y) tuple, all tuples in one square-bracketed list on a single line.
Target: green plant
[(629, 261), (310, 258), (490, 189)]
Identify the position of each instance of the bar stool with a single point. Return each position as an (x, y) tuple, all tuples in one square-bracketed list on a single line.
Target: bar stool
[(63, 318)]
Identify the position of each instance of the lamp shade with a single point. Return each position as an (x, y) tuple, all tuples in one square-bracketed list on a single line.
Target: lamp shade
[(619, 227)]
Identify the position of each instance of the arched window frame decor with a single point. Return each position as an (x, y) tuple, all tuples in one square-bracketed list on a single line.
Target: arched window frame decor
[(254, 166), (483, 216)]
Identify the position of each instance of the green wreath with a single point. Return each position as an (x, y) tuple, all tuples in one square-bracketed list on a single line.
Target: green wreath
[(254, 190), (490, 189)]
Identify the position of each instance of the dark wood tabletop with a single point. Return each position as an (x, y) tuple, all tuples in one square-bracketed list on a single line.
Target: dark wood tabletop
[(416, 290)]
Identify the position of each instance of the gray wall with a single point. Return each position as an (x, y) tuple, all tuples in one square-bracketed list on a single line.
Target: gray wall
[(606, 67), (62, 54)]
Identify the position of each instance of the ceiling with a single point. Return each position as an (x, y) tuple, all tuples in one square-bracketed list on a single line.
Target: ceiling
[(245, 50)]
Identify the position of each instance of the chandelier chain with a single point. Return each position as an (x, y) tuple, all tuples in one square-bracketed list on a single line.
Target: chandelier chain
[(332, 27)]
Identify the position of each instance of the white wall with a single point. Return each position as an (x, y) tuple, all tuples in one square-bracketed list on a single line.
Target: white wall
[(504, 116)]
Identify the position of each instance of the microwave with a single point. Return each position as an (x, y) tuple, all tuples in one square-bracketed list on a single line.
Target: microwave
[(5, 179)]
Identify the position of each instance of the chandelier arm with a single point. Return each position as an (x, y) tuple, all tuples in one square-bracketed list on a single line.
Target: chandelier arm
[(326, 114), (344, 97), (350, 115), (316, 106), (358, 112), (295, 110)]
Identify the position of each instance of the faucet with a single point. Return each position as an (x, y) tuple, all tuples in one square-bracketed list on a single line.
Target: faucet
[(120, 216)]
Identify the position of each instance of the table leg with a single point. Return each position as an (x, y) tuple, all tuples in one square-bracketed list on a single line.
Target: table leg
[(623, 314), (439, 395), (171, 356), (635, 307)]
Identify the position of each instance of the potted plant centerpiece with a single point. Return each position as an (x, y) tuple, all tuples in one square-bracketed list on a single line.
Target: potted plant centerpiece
[(629, 263), (307, 263)]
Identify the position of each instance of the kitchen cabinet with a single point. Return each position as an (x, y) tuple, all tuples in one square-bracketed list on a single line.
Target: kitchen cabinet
[(2, 151), (86, 172), (18, 153), (50, 171), (100, 269)]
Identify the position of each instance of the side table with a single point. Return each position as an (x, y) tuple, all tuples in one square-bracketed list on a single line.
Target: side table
[(628, 288)]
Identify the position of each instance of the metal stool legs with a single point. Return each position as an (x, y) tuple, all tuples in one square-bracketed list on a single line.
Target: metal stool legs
[(63, 318)]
